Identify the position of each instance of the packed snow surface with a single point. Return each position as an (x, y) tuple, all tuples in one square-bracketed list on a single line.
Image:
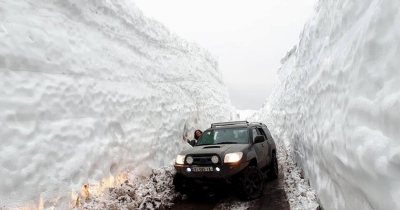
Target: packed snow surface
[(337, 100), (89, 89)]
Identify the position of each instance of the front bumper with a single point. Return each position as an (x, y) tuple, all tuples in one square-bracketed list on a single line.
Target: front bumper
[(225, 171)]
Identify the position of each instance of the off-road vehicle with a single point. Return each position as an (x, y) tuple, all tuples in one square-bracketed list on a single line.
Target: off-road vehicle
[(236, 152)]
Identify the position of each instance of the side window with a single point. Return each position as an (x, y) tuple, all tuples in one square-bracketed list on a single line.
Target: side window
[(260, 130), (255, 133), (266, 131)]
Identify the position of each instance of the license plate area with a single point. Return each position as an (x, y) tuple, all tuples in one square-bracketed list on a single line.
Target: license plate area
[(203, 169)]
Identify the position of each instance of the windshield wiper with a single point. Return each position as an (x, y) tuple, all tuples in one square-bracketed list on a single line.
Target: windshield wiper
[(227, 142)]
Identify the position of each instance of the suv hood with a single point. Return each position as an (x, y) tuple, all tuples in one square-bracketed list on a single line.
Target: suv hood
[(220, 149)]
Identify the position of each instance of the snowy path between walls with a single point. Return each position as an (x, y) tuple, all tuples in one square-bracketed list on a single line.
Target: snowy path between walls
[(157, 192)]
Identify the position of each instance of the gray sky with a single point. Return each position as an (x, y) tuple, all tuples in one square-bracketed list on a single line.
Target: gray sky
[(248, 37)]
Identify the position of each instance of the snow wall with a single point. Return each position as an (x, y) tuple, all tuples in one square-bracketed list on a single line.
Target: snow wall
[(89, 89), (337, 103)]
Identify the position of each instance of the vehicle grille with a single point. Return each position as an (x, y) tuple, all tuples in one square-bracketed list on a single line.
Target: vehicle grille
[(204, 160)]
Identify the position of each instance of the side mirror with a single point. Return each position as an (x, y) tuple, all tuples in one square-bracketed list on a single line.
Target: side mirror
[(192, 142), (259, 139)]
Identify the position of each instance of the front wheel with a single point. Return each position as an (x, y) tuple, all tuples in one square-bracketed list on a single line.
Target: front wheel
[(273, 172), (251, 184)]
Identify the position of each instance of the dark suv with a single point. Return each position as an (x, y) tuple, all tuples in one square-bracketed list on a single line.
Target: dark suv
[(236, 152)]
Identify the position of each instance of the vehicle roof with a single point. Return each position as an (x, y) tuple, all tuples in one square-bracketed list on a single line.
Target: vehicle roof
[(235, 124), (230, 126)]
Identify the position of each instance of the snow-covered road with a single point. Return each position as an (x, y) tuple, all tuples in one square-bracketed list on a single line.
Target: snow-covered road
[(139, 196), (289, 191)]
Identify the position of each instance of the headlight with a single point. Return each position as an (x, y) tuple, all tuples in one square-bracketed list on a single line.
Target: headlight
[(180, 159), (189, 160), (233, 157)]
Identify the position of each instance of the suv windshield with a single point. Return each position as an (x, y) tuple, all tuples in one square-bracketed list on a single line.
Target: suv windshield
[(224, 136)]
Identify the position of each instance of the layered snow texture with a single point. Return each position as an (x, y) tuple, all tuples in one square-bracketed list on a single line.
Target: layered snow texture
[(89, 89), (337, 100)]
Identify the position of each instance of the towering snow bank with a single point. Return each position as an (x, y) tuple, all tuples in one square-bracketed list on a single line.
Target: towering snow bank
[(91, 88), (337, 103)]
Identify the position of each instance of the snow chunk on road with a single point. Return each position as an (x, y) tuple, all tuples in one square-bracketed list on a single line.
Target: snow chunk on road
[(157, 192)]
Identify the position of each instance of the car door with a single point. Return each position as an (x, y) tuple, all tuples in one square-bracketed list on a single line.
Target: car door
[(259, 148), (266, 145)]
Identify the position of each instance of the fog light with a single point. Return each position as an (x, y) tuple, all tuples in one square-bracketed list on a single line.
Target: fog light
[(189, 160), (214, 159), (217, 169), (188, 170)]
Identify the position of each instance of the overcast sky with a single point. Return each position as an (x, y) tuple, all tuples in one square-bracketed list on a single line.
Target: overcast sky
[(248, 37)]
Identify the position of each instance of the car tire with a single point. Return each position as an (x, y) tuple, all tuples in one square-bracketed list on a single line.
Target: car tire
[(251, 184), (274, 171)]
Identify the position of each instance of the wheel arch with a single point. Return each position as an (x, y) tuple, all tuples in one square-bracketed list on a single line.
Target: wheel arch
[(253, 162)]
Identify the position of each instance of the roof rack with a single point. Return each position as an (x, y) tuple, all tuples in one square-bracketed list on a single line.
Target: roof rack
[(213, 125)]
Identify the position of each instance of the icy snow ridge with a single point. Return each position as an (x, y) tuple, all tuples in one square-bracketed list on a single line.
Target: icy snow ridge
[(337, 103), (92, 88)]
